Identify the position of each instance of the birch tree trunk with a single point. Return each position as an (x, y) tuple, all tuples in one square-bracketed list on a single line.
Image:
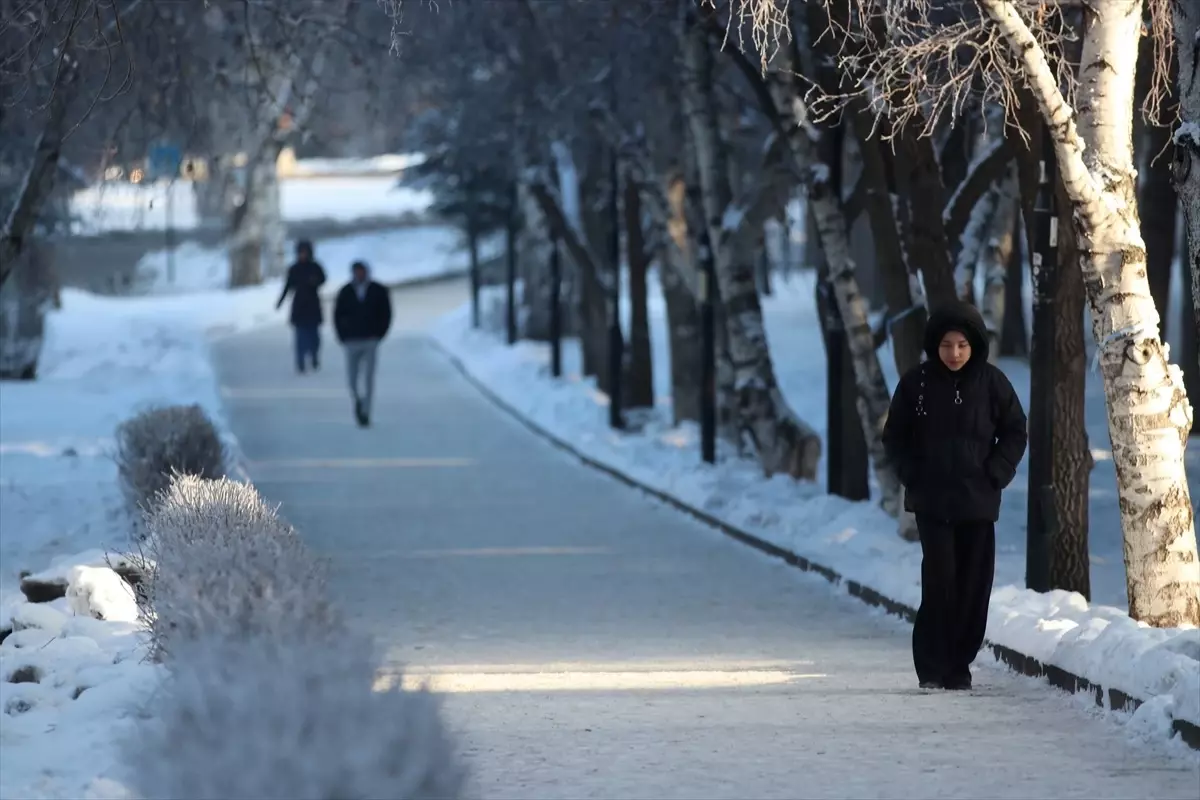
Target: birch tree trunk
[(1148, 413), (825, 209), (1187, 139), (971, 246), (677, 258), (256, 225), (994, 258), (781, 441), (908, 323), (593, 312)]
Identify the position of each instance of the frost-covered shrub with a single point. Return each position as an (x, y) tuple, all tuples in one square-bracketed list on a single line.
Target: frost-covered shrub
[(275, 717), (163, 441), (225, 565)]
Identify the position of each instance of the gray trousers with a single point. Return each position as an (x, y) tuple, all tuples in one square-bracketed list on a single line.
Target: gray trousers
[(360, 368)]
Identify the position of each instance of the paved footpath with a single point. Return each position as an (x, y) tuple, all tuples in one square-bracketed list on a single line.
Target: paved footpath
[(594, 643)]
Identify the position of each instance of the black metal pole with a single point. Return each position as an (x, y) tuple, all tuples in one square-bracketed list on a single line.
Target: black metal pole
[(473, 244), (1041, 521), (708, 354), (616, 348), (555, 308), (510, 272)]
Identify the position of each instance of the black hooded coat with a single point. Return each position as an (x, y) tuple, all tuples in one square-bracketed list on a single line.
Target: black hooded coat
[(956, 438)]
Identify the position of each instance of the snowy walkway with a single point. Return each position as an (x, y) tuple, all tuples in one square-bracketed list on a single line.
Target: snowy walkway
[(597, 644)]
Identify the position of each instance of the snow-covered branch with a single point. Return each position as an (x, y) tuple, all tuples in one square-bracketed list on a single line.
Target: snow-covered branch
[(988, 166)]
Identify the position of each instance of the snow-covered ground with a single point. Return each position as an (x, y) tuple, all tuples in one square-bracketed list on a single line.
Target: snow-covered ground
[(1100, 643), (122, 206), (395, 256), (61, 515)]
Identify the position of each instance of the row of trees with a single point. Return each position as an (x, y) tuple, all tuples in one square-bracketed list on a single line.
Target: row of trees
[(951, 133), (674, 134), (101, 82)]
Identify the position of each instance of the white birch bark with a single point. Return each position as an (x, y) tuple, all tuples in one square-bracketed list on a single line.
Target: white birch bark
[(256, 224), (782, 441), (993, 260), (1187, 136), (971, 245), (1148, 413), (274, 229), (832, 230)]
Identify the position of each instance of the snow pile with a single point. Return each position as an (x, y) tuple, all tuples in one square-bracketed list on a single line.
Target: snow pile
[(74, 674), (1103, 645), (857, 540), (72, 667)]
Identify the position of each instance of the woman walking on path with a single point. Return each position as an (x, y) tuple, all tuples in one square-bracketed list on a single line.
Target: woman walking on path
[(304, 281), (956, 433)]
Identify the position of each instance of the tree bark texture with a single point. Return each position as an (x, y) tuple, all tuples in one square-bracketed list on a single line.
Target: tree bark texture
[(639, 386), (1187, 144), (994, 259), (1149, 416), (1071, 455), (782, 442)]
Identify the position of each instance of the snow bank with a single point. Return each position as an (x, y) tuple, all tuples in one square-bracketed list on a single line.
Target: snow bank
[(122, 206), (857, 540), (73, 670), (73, 676)]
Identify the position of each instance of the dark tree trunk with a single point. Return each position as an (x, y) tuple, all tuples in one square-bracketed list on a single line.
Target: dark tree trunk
[(956, 156), (763, 270), (926, 198), (639, 386), (907, 330), (848, 462), (593, 314), (1189, 345), (683, 329), (1158, 207), (1014, 336), (1070, 566)]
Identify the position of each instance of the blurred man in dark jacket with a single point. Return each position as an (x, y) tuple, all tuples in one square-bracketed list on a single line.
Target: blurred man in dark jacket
[(304, 281), (361, 318)]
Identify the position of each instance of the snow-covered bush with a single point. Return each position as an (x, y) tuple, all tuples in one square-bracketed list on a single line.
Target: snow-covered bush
[(277, 717), (222, 563), (164, 441)]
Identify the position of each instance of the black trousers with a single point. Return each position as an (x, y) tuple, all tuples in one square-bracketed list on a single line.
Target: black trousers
[(958, 561)]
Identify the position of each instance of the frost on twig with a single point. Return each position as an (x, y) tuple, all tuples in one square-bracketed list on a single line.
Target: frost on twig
[(279, 717), (920, 62), (163, 441), (222, 563)]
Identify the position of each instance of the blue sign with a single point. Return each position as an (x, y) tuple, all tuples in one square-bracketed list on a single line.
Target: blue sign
[(163, 161)]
